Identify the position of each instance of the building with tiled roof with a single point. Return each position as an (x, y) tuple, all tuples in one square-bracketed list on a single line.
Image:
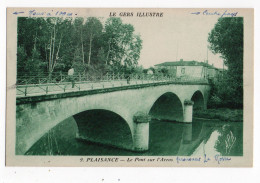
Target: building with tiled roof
[(189, 69)]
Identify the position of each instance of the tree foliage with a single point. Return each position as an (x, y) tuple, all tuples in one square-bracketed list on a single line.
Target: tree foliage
[(226, 38), (55, 44), (122, 45)]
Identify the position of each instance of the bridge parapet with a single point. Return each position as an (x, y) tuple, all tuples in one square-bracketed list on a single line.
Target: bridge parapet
[(43, 85), (59, 77)]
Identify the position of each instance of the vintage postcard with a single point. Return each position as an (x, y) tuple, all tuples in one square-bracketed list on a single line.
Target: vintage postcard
[(129, 87)]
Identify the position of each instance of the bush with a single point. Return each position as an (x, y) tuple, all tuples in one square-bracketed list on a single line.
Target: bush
[(223, 114), (225, 92)]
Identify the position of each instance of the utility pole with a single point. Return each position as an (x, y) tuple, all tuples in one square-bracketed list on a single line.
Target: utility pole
[(177, 51), (207, 55)]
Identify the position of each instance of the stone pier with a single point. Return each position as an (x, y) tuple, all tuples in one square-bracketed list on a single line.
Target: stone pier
[(141, 131), (187, 112)]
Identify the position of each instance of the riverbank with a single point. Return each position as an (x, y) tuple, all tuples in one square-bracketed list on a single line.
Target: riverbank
[(223, 114)]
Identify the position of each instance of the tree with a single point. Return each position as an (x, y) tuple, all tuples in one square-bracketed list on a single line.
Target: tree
[(55, 39), (77, 35), (34, 64), (21, 59), (52, 45), (226, 38), (122, 45), (93, 28)]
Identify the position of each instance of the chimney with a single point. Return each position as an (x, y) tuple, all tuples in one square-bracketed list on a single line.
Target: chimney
[(181, 60)]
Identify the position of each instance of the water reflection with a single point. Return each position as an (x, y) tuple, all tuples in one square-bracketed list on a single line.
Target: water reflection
[(165, 138), (187, 133), (229, 142)]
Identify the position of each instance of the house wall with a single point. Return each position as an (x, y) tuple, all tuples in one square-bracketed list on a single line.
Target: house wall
[(171, 69), (191, 71)]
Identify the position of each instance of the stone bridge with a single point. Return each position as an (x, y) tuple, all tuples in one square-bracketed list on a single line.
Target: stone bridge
[(102, 114)]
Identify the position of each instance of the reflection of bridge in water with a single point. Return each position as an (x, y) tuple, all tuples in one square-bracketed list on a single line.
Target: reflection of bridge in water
[(133, 105), (192, 137), (165, 139)]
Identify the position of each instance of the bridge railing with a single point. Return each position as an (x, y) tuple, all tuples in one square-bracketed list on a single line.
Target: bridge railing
[(61, 82), (63, 77)]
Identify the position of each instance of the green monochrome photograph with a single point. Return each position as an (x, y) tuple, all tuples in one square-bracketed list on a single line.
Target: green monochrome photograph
[(129, 87)]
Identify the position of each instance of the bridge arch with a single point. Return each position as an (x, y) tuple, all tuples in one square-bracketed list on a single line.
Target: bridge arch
[(96, 125), (104, 127), (48, 114), (198, 99), (167, 107)]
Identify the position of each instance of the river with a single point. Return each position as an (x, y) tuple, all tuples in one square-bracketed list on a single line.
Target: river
[(165, 139)]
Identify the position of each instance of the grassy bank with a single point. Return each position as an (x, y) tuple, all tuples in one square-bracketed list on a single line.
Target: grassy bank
[(223, 114)]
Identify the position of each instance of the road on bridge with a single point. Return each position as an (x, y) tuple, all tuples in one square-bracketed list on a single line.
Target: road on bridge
[(55, 88)]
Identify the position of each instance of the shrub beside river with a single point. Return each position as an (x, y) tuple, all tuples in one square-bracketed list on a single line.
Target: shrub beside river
[(223, 114)]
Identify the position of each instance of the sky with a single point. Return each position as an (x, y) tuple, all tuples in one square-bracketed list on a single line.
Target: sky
[(176, 36)]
